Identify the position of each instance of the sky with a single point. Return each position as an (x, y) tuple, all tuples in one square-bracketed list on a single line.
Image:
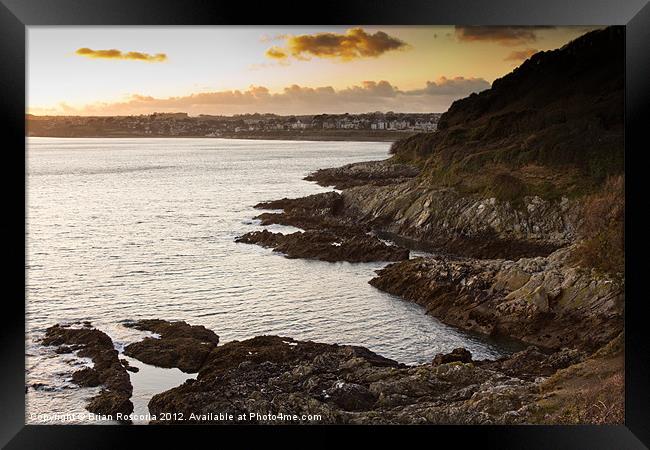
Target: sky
[(230, 70)]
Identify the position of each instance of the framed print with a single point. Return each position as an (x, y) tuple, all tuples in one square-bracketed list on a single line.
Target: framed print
[(385, 218)]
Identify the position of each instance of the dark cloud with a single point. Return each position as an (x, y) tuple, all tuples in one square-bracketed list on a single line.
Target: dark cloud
[(520, 55), (118, 54), (355, 43), (509, 36)]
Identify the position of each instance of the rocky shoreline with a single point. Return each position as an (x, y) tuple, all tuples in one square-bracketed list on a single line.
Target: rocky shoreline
[(532, 291), (329, 234), (499, 268), (108, 370), (273, 379)]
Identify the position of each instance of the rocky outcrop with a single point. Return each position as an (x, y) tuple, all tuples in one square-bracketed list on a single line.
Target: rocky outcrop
[(107, 370), (376, 173), (456, 355), (261, 379), (178, 344), (441, 219), (542, 301), (416, 215), (327, 246), (271, 379), (323, 212), (329, 235)]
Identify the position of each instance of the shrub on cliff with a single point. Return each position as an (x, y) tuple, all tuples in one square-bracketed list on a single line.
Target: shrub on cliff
[(507, 187), (603, 228)]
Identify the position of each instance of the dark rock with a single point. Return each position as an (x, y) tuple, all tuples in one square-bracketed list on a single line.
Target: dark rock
[(327, 246), (107, 369), (340, 384), (111, 403), (86, 377), (456, 355), (377, 173), (180, 345), (351, 396), (175, 329), (64, 349), (128, 366), (532, 363)]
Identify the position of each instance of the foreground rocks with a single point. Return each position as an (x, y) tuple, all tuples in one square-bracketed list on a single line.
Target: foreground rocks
[(272, 379), (268, 379), (321, 383), (107, 371), (542, 301), (178, 344)]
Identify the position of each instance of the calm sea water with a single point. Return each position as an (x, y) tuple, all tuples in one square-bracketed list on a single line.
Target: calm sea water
[(121, 229)]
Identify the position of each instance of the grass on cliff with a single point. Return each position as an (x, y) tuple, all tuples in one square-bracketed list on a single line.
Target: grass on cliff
[(603, 228), (590, 392)]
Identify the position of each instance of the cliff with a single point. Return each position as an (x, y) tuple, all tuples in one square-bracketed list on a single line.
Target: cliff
[(554, 124)]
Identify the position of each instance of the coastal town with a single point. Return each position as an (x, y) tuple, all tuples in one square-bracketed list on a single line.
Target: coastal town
[(179, 124)]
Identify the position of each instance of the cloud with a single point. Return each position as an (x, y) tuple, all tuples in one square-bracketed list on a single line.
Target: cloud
[(118, 54), (456, 86), (520, 55), (295, 99), (276, 53), (508, 36), (355, 43)]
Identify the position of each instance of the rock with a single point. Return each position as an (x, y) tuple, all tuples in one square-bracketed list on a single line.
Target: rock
[(128, 366), (351, 396), (456, 355), (441, 219), (377, 173), (341, 384), (531, 363), (86, 377), (327, 246), (110, 403), (180, 345), (64, 349), (107, 369), (558, 306), (175, 329)]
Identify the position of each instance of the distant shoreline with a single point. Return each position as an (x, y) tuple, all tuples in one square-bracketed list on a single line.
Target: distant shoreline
[(354, 136)]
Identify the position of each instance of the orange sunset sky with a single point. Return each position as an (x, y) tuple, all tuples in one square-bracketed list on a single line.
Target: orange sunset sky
[(283, 70)]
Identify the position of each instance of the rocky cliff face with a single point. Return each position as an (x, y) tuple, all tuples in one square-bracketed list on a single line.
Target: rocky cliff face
[(443, 220), (542, 301)]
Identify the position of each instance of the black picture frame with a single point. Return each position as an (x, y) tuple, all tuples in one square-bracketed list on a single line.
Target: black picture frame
[(16, 15)]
